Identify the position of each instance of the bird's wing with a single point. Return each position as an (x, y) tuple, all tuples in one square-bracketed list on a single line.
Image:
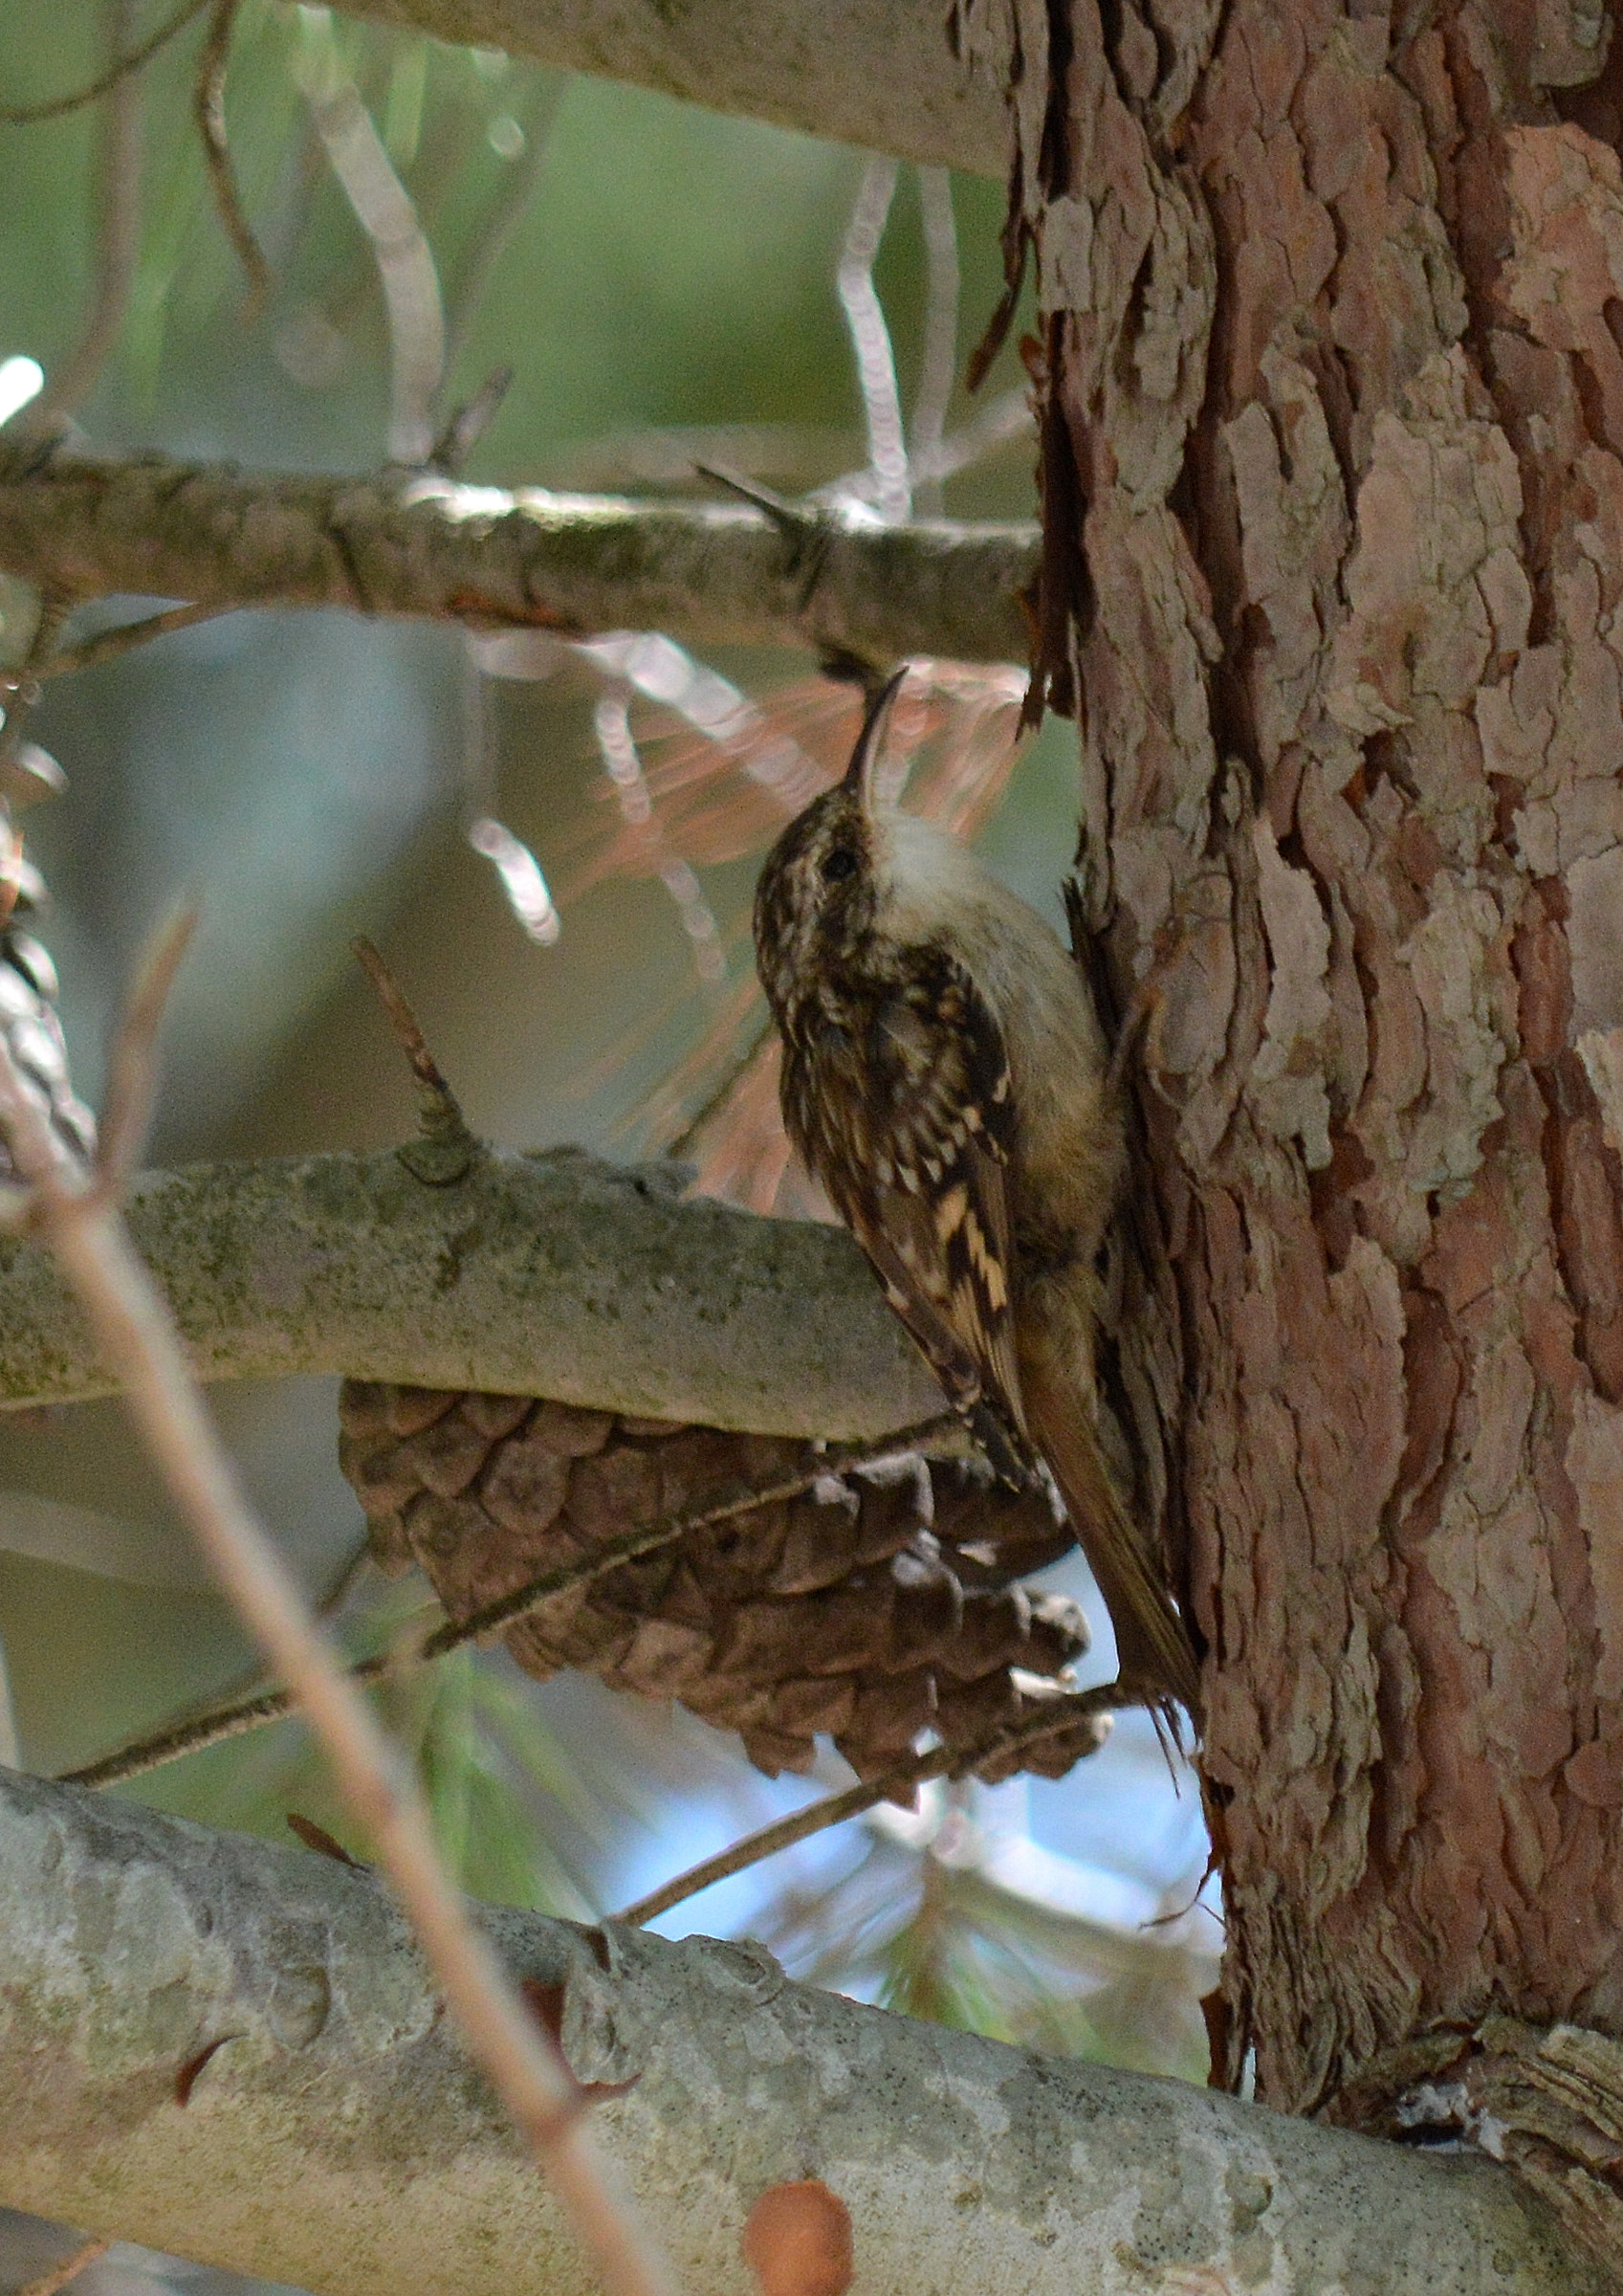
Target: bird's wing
[(914, 1148)]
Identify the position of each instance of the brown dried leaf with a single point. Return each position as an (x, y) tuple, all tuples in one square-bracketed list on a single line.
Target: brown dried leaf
[(316, 1838)]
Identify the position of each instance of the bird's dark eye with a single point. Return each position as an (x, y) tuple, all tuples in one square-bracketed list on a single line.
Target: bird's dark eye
[(841, 863)]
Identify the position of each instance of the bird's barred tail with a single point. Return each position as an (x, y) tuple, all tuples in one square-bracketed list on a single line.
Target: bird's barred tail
[(1152, 1646)]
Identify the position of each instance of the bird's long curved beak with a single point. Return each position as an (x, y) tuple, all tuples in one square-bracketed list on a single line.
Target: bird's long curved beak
[(870, 742)]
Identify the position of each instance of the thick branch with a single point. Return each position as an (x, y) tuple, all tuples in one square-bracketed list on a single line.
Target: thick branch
[(230, 2051), (421, 545), (879, 73), (552, 1276)]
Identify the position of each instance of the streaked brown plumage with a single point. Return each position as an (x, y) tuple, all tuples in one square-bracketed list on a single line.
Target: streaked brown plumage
[(945, 1077)]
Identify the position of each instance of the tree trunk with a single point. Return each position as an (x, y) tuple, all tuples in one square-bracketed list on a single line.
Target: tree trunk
[(1334, 411)]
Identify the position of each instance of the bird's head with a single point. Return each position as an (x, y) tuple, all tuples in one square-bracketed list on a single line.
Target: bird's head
[(817, 898)]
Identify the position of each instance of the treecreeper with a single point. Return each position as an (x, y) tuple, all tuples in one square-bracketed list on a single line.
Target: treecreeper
[(946, 1078)]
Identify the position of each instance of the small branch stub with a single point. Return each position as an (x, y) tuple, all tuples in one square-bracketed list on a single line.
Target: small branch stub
[(445, 1149)]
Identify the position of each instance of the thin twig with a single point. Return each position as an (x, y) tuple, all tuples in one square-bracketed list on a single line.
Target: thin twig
[(794, 518), (437, 1094), (835, 1808), (54, 107), (108, 645), (194, 1735), (631, 1545), (342, 1585), (132, 1069), (445, 1150), (135, 1334), (117, 243), (196, 1732), (70, 2266), (467, 424), (505, 213), (208, 109)]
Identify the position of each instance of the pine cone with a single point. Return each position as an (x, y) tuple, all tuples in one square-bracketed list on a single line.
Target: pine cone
[(29, 988), (879, 1604)]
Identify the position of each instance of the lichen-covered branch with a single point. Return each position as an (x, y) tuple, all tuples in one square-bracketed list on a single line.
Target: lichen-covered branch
[(234, 2052), (880, 73), (422, 546), (553, 1275)]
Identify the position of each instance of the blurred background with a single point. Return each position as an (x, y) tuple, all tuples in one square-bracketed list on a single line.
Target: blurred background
[(555, 848)]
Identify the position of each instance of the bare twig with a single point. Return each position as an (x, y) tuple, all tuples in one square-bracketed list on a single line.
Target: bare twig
[(508, 1609), (134, 1332), (131, 1070), (209, 108), (795, 519), (1062, 1714), (469, 423), (213, 1728), (198, 1732), (343, 1583), (445, 1149), (117, 240), (54, 107), (108, 645), (67, 2269), (439, 1101), (518, 188)]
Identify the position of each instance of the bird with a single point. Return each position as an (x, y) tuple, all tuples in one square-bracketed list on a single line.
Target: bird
[(946, 1077)]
